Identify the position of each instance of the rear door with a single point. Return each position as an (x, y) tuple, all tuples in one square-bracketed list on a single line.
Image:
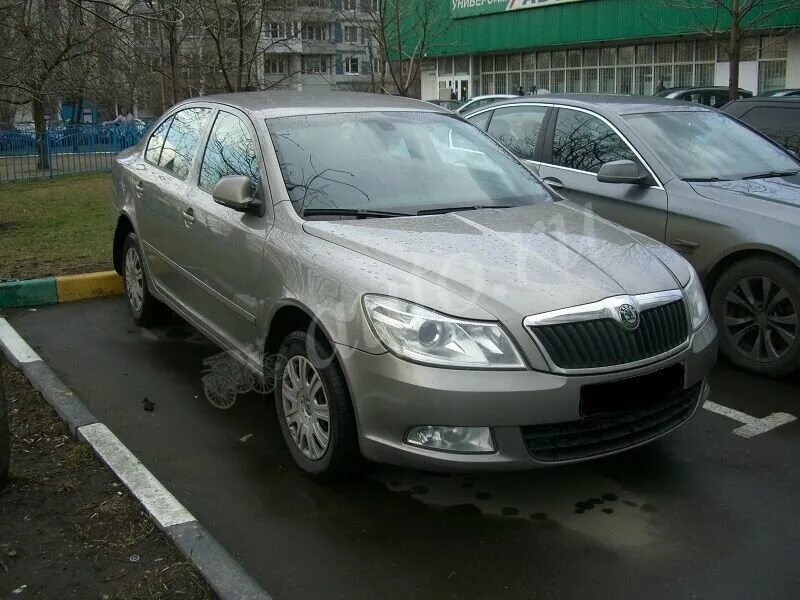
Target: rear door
[(519, 128), (224, 247), (576, 145), (164, 214), (153, 211)]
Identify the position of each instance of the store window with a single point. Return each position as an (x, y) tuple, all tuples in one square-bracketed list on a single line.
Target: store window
[(629, 69), (584, 142), (444, 64)]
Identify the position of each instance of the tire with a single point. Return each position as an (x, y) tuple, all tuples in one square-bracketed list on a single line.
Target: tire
[(756, 304), (144, 308), (339, 459)]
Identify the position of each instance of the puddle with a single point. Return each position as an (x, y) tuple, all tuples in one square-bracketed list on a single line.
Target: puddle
[(575, 498)]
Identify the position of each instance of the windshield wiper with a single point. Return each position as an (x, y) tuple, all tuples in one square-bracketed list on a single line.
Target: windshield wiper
[(771, 174), (358, 213), (703, 179), (447, 209)]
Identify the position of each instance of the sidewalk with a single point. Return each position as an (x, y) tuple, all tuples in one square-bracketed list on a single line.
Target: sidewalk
[(68, 528)]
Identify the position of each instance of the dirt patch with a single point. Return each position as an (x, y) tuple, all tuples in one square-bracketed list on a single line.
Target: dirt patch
[(68, 528)]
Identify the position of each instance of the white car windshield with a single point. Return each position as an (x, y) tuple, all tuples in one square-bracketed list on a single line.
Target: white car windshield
[(404, 162), (708, 146)]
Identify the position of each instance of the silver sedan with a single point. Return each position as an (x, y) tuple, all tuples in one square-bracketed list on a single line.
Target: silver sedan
[(406, 289)]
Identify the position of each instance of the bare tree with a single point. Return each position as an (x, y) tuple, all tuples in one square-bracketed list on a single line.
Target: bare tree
[(729, 21), (403, 32)]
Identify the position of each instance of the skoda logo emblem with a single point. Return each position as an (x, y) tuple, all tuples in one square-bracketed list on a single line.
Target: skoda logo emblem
[(628, 316)]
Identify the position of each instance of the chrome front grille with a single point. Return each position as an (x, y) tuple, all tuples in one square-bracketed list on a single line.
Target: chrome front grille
[(594, 337)]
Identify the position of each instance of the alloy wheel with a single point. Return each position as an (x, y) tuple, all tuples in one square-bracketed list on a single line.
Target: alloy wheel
[(760, 319), (134, 279), (305, 407)]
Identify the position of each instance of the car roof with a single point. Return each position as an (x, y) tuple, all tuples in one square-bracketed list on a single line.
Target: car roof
[(792, 100), (772, 93), (487, 96), (697, 88), (609, 103), (284, 103)]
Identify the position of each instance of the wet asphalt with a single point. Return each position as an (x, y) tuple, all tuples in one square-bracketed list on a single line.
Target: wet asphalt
[(701, 513)]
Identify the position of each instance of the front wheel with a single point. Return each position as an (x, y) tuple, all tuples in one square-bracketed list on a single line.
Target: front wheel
[(314, 409), (144, 308), (756, 303)]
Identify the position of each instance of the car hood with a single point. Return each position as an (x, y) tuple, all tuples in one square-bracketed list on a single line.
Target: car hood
[(511, 262), (780, 190)]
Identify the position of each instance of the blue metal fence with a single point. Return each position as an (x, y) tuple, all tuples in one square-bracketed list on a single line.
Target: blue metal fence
[(63, 150)]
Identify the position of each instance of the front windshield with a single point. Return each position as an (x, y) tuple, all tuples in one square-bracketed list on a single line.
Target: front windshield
[(396, 161), (708, 145)]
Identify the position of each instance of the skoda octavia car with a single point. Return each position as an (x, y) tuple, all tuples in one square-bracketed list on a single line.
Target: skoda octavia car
[(409, 289)]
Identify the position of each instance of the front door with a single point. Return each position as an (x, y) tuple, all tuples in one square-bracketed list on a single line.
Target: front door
[(578, 144), (224, 248)]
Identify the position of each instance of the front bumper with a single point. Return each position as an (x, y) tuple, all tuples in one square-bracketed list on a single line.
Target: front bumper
[(391, 395)]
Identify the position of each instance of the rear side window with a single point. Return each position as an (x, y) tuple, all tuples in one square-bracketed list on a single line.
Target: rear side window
[(230, 151), (780, 124), (156, 142), (182, 139), (584, 142), (481, 120), (518, 128)]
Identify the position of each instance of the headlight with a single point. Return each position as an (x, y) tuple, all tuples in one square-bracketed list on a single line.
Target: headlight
[(696, 301), (423, 335)]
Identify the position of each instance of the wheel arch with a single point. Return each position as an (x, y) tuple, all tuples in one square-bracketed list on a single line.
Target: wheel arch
[(739, 254), (124, 227), (292, 315)]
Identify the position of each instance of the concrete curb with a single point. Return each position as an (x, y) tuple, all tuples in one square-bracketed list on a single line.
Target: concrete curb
[(64, 288), (219, 568)]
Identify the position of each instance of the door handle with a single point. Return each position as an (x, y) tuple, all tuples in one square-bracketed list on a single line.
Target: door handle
[(188, 216), (554, 183), (139, 188)]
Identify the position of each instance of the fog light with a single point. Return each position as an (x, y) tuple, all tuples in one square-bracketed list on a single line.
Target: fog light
[(452, 439)]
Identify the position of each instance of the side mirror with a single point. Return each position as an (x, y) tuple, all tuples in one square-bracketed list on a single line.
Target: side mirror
[(233, 191), (623, 171)]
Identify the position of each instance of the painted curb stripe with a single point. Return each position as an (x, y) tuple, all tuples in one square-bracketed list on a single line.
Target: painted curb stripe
[(17, 349), (156, 499), (64, 288), (89, 285), (28, 292)]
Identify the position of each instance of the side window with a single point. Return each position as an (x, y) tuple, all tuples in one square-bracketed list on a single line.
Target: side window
[(182, 140), (584, 142), (481, 120), (780, 124), (156, 142), (230, 151), (518, 128)]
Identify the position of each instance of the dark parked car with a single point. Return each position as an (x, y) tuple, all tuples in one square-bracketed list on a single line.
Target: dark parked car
[(722, 194), (775, 117), (708, 96), (787, 93)]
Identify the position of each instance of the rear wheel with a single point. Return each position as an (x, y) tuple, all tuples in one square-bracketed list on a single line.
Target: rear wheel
[(314, 409), (144, 308), (756, 304)]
